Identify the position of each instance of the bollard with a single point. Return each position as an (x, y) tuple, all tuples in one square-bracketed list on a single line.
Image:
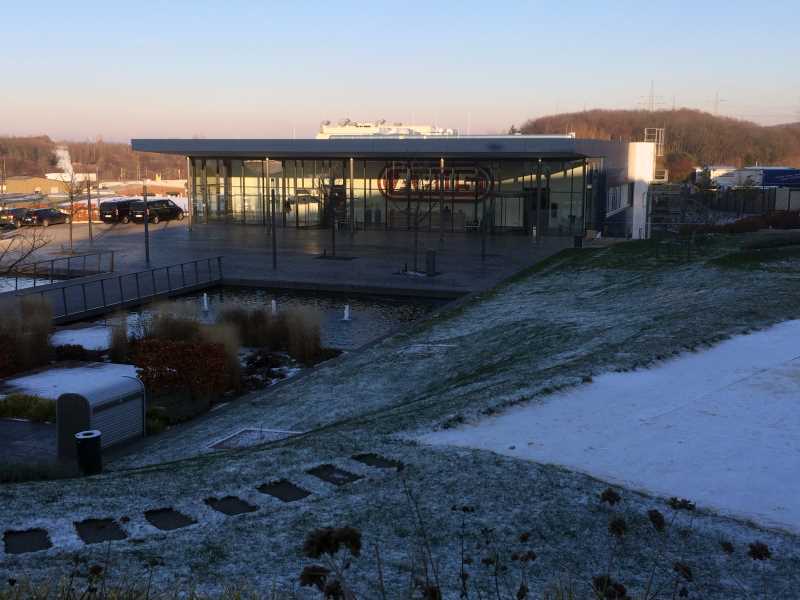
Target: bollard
[(90, 456)]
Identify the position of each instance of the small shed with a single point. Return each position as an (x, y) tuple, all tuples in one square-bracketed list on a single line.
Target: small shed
[(88, 395), (114, 407)]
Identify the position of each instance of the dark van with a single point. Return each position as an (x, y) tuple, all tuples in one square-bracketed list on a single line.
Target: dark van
[(159, 210), (115, 211)]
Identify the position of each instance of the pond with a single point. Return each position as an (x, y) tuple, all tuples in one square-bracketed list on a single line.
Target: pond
[(371, 317)]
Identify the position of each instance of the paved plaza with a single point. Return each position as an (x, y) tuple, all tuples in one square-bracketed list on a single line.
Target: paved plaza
[(366, 260)]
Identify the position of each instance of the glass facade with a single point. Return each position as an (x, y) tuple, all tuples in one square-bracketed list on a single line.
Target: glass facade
[(434, 195)]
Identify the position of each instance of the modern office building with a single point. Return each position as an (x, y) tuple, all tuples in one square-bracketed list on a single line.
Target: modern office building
[(538, 185)]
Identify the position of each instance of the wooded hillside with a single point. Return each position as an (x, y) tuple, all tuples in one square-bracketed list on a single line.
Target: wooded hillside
[(705, 138), (27, 155), (35, 156)]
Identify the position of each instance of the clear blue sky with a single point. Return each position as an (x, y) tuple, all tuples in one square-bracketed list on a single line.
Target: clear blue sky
[(255, 69)]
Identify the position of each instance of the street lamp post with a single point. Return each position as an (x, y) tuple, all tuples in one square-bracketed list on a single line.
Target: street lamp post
[(146, 225), (89, 206), (274, 241)]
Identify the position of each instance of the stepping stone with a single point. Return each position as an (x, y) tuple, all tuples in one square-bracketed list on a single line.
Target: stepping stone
[(30, 540), (284, 490), (333, 474), (230, 505), (96, 531), (375, 460), (168, 519)]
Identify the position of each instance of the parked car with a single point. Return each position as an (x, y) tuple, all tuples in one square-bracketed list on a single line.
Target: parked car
[(12, 218), (116, 211), (45, 217), (160, 210)]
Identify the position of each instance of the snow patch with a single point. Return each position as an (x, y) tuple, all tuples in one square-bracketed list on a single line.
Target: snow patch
[(92, 338), (721, 427), (86, 379)]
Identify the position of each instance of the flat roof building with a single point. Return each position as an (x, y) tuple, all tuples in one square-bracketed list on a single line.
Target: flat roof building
[(539, 185)]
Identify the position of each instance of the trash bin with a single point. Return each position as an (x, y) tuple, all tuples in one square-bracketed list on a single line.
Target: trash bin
[(430, 263), (578, 242), (90, 456)]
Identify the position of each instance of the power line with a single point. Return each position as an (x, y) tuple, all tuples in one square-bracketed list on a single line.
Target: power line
[(651, 102), (717, 101)]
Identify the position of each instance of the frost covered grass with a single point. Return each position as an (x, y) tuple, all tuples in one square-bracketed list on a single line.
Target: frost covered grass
[(550, 329), (568, 521)]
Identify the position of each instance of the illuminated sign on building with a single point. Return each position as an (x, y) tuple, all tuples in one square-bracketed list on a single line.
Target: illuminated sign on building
[(461, 182)]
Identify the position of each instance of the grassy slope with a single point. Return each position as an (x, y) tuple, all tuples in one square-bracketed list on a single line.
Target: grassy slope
[(579, 314)]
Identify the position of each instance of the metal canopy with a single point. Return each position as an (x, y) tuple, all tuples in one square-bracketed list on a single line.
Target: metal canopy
[(471, 147)]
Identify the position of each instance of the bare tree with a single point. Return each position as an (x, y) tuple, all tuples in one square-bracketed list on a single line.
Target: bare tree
[(73, 187), (15, 249)]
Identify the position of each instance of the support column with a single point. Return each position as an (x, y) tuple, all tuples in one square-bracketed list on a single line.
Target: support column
[(206, 200), (496, 181), (352, 211), (191, 193), (483, 218), (274, 233), (267, 193), (548, 209), (538, 201), (453, 184), (243, 191), (262, 204), (386, 199), (409, 177), (283, 194), (571, 202), (294, 191), (441, 201), (225, 179), (430, 197), (364, 190), (527, 189), (583, 195)]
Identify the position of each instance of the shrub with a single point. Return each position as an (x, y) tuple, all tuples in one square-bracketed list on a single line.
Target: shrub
[(279, 332), (24, 334), (255, 326), (120, 345), (171, 326), (25, 406), (295, 330), (610, 496), (198, 368), (71, 352), (304, 342), (156, 420), (227, 337), (759, 551)]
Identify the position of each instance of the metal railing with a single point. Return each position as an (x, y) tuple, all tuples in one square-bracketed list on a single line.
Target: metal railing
[(63, 267), (102, 295)]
